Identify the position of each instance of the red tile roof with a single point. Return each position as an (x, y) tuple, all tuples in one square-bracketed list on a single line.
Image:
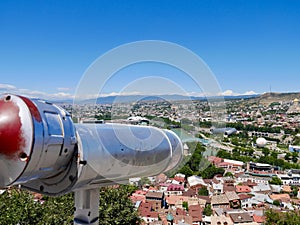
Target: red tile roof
[(145, 210), (140, 192), (215, 160), (179, 179), (281, 197), (228, 187), (135, 198), (244, 196), (259, 219), (149, 214), (180, 212), (173, 199), (156, 195), (206, 198), (195, 211), (189, 193), (175, 187), (242, 189)]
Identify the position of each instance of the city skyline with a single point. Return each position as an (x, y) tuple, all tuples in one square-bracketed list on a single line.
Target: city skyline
[(251, 47)]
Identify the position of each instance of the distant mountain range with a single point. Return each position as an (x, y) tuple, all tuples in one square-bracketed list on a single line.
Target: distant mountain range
[(135, 98), (265, 98)]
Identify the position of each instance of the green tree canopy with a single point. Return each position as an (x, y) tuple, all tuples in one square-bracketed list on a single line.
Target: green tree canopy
[(275, 180), (211, 171), (185, 205), (282, 218), (18, 207), (207, 210), (203, 191), (228, 174), (186, 170), (116, 208), (276, 202), (266, 151)]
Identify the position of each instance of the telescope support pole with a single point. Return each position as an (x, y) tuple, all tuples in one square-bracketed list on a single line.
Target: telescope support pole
[(87, 207)]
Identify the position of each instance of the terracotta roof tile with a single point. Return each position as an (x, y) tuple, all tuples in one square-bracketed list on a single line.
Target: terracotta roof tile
[(259, 219), (195, 211), (242, 189)]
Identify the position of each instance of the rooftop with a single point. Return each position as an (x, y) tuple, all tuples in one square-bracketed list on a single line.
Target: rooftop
[(219, 199), (195, 180), (281, 197), (152, 194), (195, 211), (231, 195), (243, 189), (240, 218), (259, 219)]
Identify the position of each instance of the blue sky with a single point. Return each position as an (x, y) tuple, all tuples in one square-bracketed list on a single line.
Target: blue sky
[(46, 46)]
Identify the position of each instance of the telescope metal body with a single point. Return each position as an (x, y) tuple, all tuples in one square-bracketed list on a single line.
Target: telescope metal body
[(42, 150)]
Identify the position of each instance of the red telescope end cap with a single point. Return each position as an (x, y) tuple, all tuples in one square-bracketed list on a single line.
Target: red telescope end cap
[(16, 136)]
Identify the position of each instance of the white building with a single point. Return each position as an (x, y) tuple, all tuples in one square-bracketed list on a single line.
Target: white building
[(290, 178), (195, 180)]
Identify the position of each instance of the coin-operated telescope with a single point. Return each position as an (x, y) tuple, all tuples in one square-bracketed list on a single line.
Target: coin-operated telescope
[(42, 150)]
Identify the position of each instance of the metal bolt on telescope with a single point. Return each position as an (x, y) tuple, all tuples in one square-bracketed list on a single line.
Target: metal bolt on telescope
[(42, 150)]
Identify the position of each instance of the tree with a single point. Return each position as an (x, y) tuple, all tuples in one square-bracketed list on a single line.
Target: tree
[(295, 157), (186, 170), (272, 217), (211, 171), (18, 207), (274, 154), (116, 208), (196, 158), (144, 181), (250, 151), (287, 156), (284, 218), (130, 188), (275, 180), (224, 154), (276, 202), (185, 205), (279, 162), (58, 210), (203, 191), (228, 174), (266, 151), (207, 210), (295, 190)]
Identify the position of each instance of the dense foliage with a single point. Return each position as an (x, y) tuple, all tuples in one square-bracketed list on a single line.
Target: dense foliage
[(282, 218), (18, 207), (198, 165), (275, 180), (208, 210), (203, 191), (115, 207)]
